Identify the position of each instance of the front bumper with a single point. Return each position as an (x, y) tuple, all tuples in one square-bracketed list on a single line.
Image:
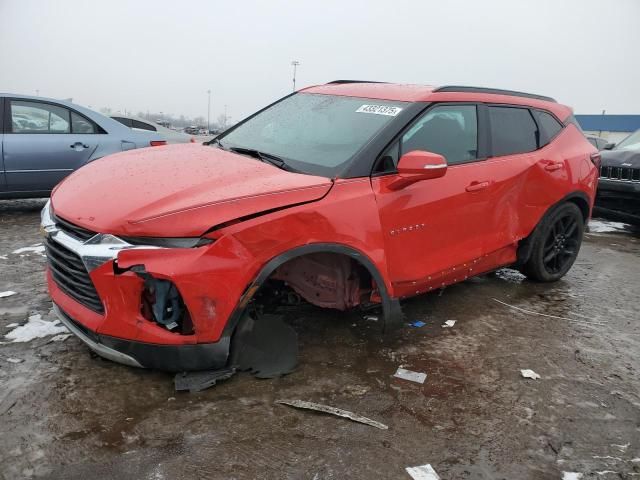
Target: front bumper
[(210, 280), (170, 358), (618, 200)]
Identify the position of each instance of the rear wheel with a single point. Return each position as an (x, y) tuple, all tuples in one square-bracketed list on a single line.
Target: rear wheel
[(556, 245)]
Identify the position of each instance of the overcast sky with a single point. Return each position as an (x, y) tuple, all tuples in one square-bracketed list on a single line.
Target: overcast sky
[(164, 55)]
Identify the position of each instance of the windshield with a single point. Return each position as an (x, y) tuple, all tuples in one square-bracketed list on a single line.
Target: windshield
[(632, 142), (314, 133)]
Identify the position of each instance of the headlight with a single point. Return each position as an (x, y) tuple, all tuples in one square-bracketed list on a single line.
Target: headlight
[(168, 242)]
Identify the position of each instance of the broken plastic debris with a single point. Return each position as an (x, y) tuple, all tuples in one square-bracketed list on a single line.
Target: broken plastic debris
[(14, 360), (571, 476), (529, 374), (8, 293), (423, 472), (448, 324), (333, 411), (371, 318), (35, 327), (404, 374), (418, 324)]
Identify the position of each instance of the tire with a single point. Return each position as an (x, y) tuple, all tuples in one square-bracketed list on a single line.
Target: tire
[(557, 242)]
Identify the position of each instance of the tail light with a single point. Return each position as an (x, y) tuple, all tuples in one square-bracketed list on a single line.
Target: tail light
[(157, 143), (596, 158)]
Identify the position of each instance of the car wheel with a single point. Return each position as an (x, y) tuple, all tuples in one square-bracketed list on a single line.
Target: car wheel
[(556, 245)]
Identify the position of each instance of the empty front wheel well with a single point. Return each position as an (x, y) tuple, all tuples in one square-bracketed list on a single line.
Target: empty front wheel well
[(363, 268)]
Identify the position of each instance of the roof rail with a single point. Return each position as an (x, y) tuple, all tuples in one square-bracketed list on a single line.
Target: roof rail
[(496, 91), (352, 81)]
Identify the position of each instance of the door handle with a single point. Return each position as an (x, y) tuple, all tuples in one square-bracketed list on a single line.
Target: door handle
[(477, 186), (78, 146), (552, 167)]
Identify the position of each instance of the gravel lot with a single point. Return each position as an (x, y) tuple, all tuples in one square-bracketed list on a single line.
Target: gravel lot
[(66, 414)]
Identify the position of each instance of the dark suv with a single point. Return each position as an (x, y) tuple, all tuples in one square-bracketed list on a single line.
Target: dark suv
[(619, 187)]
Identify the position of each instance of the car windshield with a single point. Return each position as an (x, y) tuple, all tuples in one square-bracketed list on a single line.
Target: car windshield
[(632, 142), (313, 133)]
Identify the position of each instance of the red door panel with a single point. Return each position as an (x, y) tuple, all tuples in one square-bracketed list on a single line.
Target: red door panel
[(435, 224)]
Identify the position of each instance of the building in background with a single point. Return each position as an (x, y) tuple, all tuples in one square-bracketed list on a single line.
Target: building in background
[(612, 127)]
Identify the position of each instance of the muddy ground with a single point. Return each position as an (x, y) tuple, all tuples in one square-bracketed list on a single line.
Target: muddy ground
[(65, 414)]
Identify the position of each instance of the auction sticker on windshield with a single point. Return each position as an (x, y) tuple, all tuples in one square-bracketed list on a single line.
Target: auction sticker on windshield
[(379, 110)]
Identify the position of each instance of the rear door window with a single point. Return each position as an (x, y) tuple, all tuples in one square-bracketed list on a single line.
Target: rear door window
[(549, 126), (38, 117), (513, 130)]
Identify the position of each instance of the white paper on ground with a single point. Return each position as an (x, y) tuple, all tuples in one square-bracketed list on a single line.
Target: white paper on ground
[(423, 472), (448, 324), (8, 293), (529, 374), (571, 476), (417, 377)]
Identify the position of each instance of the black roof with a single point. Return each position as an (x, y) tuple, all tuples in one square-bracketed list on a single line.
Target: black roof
[(353, 81), (496, 91)]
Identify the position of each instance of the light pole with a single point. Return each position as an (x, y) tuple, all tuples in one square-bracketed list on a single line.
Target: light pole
[(295, 64), (208, 111)]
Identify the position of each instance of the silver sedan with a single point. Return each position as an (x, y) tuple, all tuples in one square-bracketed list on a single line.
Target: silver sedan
[(43, 140)]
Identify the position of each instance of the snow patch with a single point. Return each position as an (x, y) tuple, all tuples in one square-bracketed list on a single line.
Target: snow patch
[(605, 226), (35, 327), (35, 248), (510, 275)]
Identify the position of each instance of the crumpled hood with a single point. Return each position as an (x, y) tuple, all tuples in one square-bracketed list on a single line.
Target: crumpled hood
[(615, 158), (177, 191)]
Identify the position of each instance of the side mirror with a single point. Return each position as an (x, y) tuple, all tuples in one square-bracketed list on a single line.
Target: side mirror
[(418, 165), (609, 146)]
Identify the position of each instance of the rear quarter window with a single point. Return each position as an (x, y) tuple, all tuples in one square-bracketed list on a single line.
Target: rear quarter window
[(142, 126), (549, 126)]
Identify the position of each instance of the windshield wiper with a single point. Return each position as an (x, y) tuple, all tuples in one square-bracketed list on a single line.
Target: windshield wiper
[(215, 141), (264, 157)]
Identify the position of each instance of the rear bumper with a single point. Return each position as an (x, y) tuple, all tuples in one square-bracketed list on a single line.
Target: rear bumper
[(171, 358)]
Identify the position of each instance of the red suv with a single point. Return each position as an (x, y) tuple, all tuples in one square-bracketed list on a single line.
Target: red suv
[(346, 195)]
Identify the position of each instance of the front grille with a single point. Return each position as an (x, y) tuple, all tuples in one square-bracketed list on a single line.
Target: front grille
[(75, 231), (624, 174), (71, 276)]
